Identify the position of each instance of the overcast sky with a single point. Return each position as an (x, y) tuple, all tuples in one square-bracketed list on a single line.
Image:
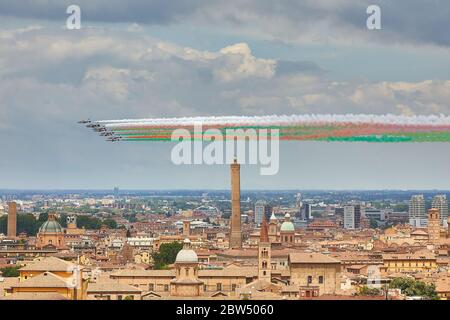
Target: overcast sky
[(135, 59)]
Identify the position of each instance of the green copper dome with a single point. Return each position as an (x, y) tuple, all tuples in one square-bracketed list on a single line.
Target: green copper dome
[(51, 226), (287, 225)]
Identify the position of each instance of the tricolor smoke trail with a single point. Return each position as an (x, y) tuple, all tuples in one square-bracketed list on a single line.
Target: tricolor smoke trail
[(350, 127)]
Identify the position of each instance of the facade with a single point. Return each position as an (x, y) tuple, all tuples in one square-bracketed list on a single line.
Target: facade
[(417, 215), (375, 214), (409, 262), (235, 219), (440, 202), (315, 273), (227, 280)]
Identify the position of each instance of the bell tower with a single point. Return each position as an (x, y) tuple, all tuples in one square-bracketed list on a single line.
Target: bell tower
[(273, 228), (434, 225), (264, 252)]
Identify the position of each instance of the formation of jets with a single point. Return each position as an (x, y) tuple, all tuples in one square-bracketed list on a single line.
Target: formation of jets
[(101, 129)]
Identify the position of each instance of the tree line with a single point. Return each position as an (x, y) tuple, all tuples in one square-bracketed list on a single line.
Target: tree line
[(26, 222)]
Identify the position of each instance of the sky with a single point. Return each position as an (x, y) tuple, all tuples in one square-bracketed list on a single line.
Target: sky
[(144, 59)]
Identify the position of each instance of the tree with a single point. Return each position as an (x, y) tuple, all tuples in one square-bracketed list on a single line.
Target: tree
[(110, 223), (43, 216), (63, 220), (166, 255), (87, 222), (26, 222), (373, 224), (366, 291), (401, 207), (10, 272), (411, 287)]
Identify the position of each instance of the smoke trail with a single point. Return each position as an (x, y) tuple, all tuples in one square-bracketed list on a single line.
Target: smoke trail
[(308, 127)]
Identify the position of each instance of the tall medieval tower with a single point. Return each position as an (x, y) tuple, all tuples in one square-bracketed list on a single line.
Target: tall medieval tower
[(264, 253), (12, 220), (235, 224), (434, 224)]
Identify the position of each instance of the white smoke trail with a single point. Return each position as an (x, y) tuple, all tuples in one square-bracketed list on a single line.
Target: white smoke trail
[(283, 120)]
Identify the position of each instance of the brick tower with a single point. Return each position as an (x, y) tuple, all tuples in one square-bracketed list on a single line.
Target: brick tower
[(264, 253), (12, 220), (235, 224), (434, 224)]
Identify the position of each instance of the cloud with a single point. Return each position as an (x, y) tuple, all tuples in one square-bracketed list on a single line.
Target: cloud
[(50, 79), (133, 75), (344, 21)]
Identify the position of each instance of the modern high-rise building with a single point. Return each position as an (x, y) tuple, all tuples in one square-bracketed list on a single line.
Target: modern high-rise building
[(349, 217), (353, 216), (116, 192), (298, 203), (440, 202), (12, 220), (359, 213), (262, 208), (235, 219), (417, 215), (306, 212)]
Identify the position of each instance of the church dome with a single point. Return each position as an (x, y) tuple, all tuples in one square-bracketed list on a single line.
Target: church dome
[(51, 225), (287, 225), (186, 255)]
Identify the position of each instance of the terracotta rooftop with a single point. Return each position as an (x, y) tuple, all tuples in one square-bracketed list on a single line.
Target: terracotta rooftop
[(51, 264), (311, 257), (34, 296), (226, 272), (44, 280), (111, 286)]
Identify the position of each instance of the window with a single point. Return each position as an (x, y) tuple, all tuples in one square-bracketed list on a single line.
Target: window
[(219, 286), (151, 287), (233, 287), (205, 287), (320, 279), (119, 297), (166, 287), (309, 279)]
